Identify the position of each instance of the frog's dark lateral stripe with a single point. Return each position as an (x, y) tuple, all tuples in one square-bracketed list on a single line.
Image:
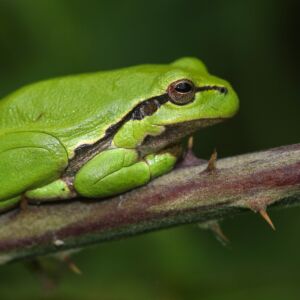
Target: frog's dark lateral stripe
[(146, 108)]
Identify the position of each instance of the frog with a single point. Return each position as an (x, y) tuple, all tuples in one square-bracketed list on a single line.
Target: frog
[(101, 134)]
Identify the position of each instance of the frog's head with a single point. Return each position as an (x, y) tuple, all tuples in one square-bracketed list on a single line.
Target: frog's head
[(186, 97), (192, 94)]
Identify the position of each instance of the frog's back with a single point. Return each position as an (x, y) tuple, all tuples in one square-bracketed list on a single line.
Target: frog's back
[(77, 107)]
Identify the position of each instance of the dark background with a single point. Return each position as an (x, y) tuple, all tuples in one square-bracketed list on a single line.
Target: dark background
[(255, 45)]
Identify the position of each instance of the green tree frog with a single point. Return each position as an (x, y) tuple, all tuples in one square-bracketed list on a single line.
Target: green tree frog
[(101, 134)]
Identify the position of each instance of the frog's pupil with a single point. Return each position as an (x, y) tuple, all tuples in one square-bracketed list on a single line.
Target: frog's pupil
[(183, 87)]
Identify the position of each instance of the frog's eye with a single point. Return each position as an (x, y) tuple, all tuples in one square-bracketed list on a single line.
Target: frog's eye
[(181, 91)]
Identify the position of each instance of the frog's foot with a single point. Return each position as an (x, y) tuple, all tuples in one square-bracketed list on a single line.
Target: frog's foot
[(119, 170), (57, 190), (60, 189)]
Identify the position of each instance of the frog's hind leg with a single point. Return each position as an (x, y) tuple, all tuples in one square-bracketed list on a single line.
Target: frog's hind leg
[(28, 160)]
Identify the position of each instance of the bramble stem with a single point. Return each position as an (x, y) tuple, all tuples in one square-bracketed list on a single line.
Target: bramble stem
[(190, 193)]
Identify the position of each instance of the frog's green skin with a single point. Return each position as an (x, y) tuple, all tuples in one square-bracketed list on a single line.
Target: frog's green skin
[(85, 135)]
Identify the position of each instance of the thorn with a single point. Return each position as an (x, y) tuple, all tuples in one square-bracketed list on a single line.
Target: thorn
[(189, 158), (219, 234), (71, 265), (44, 274), (212, 161), (216, 229), (266, 217), (190, 143)]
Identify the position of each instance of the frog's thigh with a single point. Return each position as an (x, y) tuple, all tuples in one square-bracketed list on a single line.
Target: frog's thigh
[(116, 171), (29, 160)]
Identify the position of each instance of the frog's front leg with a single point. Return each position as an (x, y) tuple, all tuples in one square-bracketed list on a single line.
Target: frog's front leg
[(118, 170)]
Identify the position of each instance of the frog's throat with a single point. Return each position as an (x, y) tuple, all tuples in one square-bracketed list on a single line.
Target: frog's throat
[(174, 133)]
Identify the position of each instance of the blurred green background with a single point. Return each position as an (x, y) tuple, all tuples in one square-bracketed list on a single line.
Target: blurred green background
[(253, 44)]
